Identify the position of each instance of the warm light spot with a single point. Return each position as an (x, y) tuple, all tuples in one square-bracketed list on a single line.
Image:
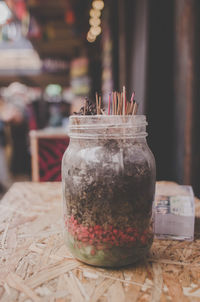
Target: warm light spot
[(90, 37), (98, 4), (95, 30), (94, 21), (94, 13)]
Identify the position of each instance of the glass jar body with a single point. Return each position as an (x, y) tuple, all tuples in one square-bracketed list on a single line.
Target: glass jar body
[(108, 190)]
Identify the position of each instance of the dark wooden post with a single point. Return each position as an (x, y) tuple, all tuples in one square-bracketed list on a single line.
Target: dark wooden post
[(137, 46), (133, 18), (184, 88), (122, 43)]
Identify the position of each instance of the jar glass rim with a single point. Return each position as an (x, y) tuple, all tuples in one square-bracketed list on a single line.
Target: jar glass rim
[(113, 126), (136, 116), (98, 119)]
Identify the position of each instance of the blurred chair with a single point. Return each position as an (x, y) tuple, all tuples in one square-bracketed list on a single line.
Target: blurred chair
[(47, 149)]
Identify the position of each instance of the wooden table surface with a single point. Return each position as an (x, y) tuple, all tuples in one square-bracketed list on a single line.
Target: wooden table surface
[(36, 266)]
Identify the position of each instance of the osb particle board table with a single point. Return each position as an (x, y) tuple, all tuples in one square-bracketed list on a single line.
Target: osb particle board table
[(36, 266)]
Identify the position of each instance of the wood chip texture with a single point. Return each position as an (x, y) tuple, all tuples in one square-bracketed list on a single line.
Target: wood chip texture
[(35, 264)]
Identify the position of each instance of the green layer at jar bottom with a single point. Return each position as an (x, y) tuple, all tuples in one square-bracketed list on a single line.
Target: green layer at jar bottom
[(104, 255)]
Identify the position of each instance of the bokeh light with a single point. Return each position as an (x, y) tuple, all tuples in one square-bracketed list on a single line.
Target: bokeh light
[(98, 4), (95, 30), (94, 13), (94, 21)]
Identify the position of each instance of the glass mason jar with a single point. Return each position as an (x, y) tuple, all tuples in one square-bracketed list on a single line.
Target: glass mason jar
[(108, 176)]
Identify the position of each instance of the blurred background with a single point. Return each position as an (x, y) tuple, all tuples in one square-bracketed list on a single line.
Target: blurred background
[(55, 53)]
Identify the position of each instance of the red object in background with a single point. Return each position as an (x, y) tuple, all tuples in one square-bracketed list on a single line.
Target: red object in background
[(69, 17), (50, 157), (32, 123), (20, 9)]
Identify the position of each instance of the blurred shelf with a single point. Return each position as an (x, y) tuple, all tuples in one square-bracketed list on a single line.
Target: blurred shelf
[(46, 13), (65, 48), (35, 80)]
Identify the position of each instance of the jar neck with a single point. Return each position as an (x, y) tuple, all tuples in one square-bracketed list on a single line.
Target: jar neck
[(83, 141), (107, 127)]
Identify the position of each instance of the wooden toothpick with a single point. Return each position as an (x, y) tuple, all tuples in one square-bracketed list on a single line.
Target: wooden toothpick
[(97, 103), (135, 108), (124, 100)]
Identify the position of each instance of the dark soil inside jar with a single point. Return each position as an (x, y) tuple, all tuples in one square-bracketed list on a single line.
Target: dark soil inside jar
[(110, 209)]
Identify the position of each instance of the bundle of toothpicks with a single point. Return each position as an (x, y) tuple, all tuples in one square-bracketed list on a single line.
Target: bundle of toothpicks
[(118, 104)]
